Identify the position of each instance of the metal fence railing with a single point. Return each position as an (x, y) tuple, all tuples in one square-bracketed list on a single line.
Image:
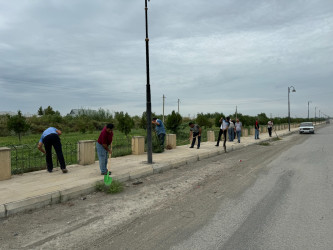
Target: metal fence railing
[(27, 158), (120, 147)]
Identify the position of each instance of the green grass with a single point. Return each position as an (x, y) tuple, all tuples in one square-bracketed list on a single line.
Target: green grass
[(264, 143), (25, 156), (114, 188)]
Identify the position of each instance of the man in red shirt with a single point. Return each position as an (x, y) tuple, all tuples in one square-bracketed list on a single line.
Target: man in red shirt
[(104, 148)]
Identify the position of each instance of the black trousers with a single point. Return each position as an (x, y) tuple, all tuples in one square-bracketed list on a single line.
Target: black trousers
[(224, 135), (49, 141), (270, 132), (194, 139)]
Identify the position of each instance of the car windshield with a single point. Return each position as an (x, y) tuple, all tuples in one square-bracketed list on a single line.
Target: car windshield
[(306, 124)]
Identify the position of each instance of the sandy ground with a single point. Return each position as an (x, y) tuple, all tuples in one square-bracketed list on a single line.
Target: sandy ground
[(97, 219)]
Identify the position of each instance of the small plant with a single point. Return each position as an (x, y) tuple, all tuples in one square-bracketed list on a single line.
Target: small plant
[(100, 187), (264, 143), (157, 148), (276, 139), (115, 187)]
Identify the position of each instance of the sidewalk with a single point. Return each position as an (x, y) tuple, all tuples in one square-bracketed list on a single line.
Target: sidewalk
[(38, 189)]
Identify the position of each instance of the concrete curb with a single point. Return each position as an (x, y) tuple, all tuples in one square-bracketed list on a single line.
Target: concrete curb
[(29, 203), (2, 211), (140, 171)]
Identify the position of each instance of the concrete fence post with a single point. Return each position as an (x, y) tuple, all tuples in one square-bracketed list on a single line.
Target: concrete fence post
[(5, 164), (138, 145), (264, 129), (211, 136), (171, 141), (245, 132), (86, 152)]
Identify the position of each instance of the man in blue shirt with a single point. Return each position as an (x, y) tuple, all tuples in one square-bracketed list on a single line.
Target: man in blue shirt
[(49, 138), (160, 130)]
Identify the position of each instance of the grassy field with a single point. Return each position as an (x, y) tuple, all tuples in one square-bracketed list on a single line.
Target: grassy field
[(25, 156)]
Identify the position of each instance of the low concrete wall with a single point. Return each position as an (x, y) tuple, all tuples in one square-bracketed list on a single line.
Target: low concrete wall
[(5, 164)]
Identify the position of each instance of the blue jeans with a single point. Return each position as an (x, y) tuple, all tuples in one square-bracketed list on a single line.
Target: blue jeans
[(256, 134), (103, 158), (231, 134), (239, 135)]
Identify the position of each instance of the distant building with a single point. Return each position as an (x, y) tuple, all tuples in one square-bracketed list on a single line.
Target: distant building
[(77, 112)]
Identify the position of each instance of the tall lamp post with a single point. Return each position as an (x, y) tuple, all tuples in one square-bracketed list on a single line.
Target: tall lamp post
[(148, 95), (293, 90), (308, 110), (315, 115)]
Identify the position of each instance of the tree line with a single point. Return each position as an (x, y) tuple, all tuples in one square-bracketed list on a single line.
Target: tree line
[(86, 121)]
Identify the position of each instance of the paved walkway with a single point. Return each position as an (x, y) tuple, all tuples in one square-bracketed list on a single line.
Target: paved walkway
[(40, 188)]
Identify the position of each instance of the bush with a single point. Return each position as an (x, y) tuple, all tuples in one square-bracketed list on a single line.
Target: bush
[(203, 121), (125, 122), (115, 187), (173, 121)]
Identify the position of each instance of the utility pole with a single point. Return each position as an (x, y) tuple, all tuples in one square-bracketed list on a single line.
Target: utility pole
[(315, 115), (148, 94), (236, 112), (178, 105), (163, 106), (308, 110)]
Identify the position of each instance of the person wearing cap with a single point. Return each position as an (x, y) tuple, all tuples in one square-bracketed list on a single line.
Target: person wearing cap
[(50, 137), (160, 130), (104, 147), (195, 131)]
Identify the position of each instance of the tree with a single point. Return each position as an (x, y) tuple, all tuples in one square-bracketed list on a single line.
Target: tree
[(125, 122), (143, 121), (173, 121), (40, 111), (217, 119), (49, 111), (18, 124), (203, 120)]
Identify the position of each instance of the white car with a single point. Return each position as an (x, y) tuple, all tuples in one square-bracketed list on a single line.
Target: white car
[(306, 127)]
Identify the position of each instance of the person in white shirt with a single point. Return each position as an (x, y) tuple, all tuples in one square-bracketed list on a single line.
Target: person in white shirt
[(238, 126), (223, 130), (270, 127)]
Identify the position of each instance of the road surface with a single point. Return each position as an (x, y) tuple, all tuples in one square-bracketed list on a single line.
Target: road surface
[(276, 196)]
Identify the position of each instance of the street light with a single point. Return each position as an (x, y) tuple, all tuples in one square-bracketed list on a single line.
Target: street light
[(315, 115), (308, 110), (148, 95), (293, 90)]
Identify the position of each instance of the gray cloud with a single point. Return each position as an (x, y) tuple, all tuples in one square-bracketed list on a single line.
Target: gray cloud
[(211, 55)]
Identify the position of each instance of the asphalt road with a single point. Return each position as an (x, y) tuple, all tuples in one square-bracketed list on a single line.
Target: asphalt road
[(279, 196)]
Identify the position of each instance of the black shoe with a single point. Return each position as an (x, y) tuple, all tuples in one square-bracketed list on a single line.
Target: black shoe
[(217, 145), (191, 147), (106, 173), (198, 147), (50, 171), (64, 170)]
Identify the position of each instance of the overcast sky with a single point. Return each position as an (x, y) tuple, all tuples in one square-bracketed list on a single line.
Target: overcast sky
[(212, 55)]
